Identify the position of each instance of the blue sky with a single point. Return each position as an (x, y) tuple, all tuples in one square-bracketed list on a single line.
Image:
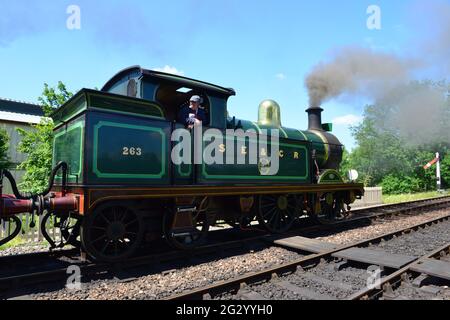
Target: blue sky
[(263, 49)]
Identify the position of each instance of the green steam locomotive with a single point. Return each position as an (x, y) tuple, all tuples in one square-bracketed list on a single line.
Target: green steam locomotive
[(115, 183)]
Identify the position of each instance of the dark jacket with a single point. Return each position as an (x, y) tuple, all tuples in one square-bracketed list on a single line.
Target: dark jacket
[(183, 116)]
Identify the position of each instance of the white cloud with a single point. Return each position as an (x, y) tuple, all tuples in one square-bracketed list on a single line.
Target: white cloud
[(169, 69), (280, 76), (348, 120)]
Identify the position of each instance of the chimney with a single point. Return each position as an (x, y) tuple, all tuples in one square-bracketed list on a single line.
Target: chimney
[(314, 118)]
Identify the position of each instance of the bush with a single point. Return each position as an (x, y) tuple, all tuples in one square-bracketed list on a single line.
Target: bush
[(393, 184), (4, 146), (37, 143)]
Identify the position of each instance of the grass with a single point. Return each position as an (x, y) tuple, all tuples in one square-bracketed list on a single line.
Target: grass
[(17, 241), (396, 198), (20, 241)]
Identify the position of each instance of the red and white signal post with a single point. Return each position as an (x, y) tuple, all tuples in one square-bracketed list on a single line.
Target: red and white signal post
[(436, 161)]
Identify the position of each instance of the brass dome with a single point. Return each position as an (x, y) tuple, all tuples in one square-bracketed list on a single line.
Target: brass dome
[(269, 114)]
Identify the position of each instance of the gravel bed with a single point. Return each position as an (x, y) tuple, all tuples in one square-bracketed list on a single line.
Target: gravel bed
[(158, 286), (418, 243), (381, 227), (24, 249), (322, 279), (431, 288), (425, 293)]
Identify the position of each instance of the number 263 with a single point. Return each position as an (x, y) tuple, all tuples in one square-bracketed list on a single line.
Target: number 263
[(132, 151)]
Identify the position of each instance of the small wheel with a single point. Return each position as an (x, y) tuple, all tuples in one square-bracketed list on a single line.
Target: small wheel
[(112, 233), (186, 238), (277, 213)]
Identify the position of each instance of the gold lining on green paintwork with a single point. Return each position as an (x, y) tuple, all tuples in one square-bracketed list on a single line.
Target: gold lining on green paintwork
[(126, 100), (284, 132), (323, 177), (325, 143), (304, 136), (257, 127)]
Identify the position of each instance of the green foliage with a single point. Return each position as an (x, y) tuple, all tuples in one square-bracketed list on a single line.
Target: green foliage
[(346, 165), (445, 170), (4, 145), (53, 98), (385, 157), (37, 143), (401, 184)]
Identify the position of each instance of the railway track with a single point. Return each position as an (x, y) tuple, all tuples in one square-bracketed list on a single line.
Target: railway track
[(32, 269), (331, 272), (425, 278)]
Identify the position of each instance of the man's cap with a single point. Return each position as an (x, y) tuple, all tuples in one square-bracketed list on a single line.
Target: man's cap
[(196, 99)]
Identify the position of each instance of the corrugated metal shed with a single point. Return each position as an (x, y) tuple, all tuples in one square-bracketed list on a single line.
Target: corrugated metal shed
[(13, 115), (20, 107), (19, 117)]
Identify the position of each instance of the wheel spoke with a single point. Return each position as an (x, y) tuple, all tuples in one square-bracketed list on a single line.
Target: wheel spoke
[(105, 247), (99, 238), (276, 219), (269, 212), (131, 222), (98, 228), (104, 218), (269, 222), (111, 233), (114, 210)]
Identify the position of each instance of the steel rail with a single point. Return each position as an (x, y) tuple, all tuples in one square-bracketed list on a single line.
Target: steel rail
[(309, 260), (394, 205), (90, 268), (394, 278)]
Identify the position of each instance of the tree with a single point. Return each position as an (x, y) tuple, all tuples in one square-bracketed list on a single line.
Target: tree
[(445, 170), (37, 144), (379, 152), (52, 98), (4, 146), (391, 151), (345, 166)]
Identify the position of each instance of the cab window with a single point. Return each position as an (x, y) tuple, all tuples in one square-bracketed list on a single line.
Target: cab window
[(174, 97)]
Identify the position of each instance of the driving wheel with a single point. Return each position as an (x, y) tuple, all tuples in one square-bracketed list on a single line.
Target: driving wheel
[(112, 233), (277, 213)]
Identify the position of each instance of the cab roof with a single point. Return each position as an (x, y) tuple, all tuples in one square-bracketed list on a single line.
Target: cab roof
[(182, 81)]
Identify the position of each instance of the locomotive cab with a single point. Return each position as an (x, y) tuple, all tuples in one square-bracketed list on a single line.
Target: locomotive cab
[(171, 92)]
